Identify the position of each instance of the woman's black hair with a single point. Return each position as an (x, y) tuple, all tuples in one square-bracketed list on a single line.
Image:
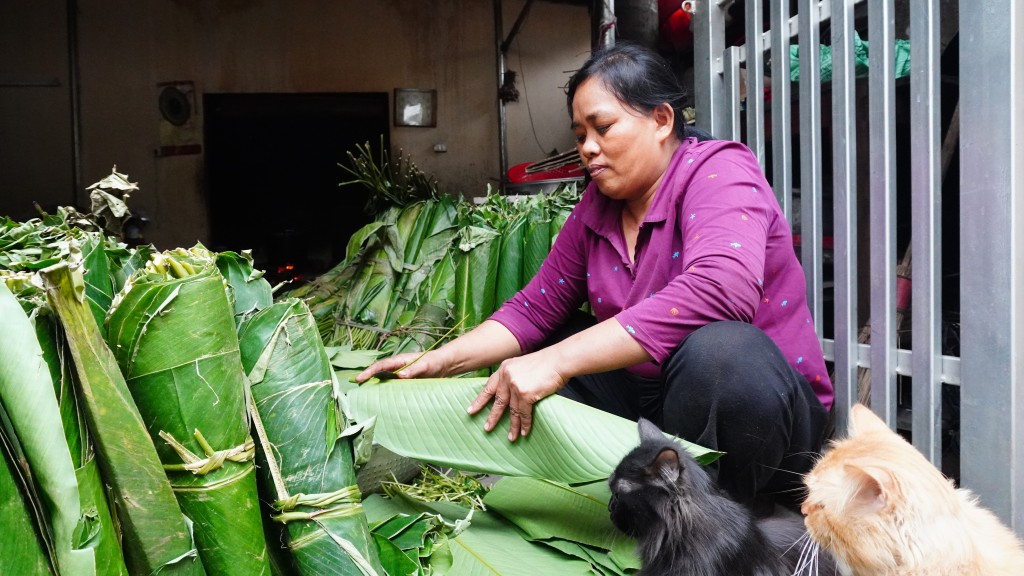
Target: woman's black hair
[(640, 78)]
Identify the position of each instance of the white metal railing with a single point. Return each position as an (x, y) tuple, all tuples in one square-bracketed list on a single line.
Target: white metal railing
[(990, 368)]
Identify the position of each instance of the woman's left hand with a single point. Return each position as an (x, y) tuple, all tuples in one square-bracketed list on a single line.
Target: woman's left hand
[(518, 384)]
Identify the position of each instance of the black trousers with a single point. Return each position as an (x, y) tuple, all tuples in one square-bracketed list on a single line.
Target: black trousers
[(727, 387)]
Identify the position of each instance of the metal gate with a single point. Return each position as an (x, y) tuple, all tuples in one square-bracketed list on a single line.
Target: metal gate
[(908, 377)]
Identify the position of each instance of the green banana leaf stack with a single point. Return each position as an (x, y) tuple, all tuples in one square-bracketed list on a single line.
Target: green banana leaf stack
[(61, 477), (139, 388), (121, 520), (174, 337), (306, 459), (432, 268)]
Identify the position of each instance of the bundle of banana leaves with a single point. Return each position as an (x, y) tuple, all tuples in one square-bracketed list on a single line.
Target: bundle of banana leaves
[(172, 331), (46, 441), (138, 388), (432, 268), (306, 459), (52, 396)]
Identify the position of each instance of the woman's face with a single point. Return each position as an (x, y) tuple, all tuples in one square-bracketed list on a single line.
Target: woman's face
[(623, 149)]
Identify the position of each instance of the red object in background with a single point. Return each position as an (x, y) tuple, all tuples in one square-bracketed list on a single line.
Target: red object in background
[(517, 174), (674, 25)]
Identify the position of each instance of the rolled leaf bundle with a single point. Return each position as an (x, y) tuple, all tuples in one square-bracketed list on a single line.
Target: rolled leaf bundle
[(173, 334), (306, 464), (510, 270), (155, 537), (77, 526), (537, 240), (476, 274)]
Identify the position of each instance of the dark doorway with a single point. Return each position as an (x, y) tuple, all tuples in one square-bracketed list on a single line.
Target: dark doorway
[(272, 175)]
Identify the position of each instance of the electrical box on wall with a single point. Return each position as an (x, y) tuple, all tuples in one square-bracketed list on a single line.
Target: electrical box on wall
[(179, 130)]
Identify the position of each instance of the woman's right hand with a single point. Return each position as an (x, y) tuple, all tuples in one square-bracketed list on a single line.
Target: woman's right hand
[(405, 366)]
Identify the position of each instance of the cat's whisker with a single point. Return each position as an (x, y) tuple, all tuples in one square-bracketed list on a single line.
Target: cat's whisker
[(808, 561)]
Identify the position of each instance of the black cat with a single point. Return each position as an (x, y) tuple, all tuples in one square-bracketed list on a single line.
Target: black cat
[(686, 526)]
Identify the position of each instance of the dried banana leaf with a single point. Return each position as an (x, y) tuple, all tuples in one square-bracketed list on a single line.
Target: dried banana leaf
[(77, 525), (155, 536), (307, 467), (174, 337)]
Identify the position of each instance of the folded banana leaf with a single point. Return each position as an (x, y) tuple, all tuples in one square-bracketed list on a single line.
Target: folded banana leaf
[(155, 536), (492, 547), (423, 243), (249, 290), (306, 464), (537, 240), (99, 286), (476, 274), (546, 511), (124, 263), (510, 268), (77, 526), (174, 337), (22, 549)]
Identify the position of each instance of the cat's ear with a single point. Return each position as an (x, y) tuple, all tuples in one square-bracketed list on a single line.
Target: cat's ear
[(871, 488), (863, 420), (666, 465), (649, 431)]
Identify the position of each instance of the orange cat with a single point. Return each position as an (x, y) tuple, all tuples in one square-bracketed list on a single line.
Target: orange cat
[(882, 509)]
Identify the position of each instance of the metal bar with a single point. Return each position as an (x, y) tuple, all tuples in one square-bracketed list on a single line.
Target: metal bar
[(926, 201), (709, 87), (731, 94), (74, 84), (991, 259), (516, 26), (882, 93), (755, 78), (791, 27), (499, 32), (949, 366), (608, 23), (810, 157), (782, 142), (844, 197), (51, 83)]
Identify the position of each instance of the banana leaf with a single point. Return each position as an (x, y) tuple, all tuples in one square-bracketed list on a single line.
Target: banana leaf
[(155, 536), (22, 551), (537, 240), (124, 263), (492, 547), (413, 536), (78, 528), (545, 511), (510, 269), (99, 288), (427, 420), (175, 341), (249, 290), (476, 272), (307, 468)]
